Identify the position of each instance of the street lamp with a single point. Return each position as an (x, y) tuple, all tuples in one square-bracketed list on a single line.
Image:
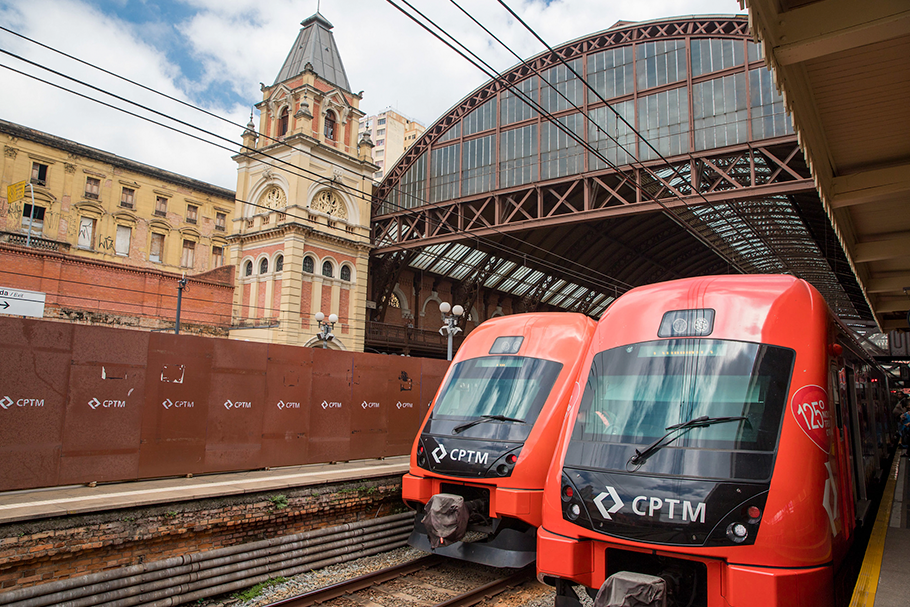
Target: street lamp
[(325, 328), (450, 328)]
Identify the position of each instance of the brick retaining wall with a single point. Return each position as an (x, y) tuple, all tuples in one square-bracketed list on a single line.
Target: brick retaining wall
[(52, 549)]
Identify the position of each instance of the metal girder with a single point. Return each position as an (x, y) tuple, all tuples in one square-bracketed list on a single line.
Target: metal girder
[(740, 172)]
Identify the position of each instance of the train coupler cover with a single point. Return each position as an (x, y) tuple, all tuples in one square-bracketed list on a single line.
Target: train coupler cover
[(446, 519), (630, 589)]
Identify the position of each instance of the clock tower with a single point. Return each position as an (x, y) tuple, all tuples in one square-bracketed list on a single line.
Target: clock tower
[(301, 234)]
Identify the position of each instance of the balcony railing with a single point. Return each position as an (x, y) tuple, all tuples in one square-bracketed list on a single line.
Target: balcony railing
[(384, 336), (36, 242)]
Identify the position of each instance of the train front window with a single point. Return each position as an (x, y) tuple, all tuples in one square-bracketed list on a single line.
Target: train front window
[(635, 393), (510, 386)]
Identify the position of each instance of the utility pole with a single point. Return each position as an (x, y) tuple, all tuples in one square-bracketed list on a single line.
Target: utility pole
[(181, 285)]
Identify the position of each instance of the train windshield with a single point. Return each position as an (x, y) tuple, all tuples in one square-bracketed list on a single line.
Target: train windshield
[(503, 386), (636, 393)]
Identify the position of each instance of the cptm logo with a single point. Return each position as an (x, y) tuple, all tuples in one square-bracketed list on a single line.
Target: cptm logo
[(284, 405), (6, 402), (402, 405), (331, 405), (178, 404), (106, 404), (367, 405), (240, 404)]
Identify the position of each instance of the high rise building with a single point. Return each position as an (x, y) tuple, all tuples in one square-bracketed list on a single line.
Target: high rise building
[(302, 231), (391, 134)]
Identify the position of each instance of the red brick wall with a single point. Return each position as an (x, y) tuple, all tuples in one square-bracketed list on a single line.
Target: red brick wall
[(58, 548), (100, 292)]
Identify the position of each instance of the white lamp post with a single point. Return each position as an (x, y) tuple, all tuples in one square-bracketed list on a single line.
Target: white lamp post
[(450, 328), (325, 328)]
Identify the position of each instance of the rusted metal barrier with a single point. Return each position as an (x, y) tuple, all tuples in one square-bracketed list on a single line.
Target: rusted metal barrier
[(80, 404)]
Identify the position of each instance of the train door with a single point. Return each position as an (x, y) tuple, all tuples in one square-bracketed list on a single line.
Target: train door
[(842, 453), (855, 427)]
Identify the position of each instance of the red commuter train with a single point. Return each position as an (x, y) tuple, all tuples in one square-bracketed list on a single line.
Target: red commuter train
[(481, 457), (721, 451)]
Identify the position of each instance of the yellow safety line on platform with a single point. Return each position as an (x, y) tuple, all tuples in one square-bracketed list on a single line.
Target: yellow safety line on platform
[(867, 582)]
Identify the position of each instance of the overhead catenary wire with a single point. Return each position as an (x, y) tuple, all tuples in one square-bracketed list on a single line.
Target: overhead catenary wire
[(631, 127), (550, 117), (251, 153), (357, 193)]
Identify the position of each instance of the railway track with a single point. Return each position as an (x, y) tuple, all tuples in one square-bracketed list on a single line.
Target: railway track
[(429, 581)]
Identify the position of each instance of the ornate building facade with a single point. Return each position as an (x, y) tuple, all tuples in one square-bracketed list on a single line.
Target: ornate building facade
[(301, 237)]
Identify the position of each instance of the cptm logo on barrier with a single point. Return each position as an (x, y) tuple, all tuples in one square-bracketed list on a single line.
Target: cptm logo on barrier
[(284, 405), (240, 404), (6, 402), (177, 404), (106, 404)]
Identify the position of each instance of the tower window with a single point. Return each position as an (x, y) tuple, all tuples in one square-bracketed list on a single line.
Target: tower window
[(346, 273), (248, 268), (327, 269), (264, 266), (330, 125), (308, 265), (279, 263), (283, 122)]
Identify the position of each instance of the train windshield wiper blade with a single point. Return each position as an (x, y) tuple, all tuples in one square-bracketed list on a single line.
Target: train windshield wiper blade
[(698, 422), (485, 418)]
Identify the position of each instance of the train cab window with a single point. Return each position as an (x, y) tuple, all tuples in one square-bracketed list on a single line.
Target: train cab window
[(513, 387), (635, 394)]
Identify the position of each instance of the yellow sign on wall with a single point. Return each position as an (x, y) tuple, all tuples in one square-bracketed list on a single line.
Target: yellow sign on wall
[(15, 191)]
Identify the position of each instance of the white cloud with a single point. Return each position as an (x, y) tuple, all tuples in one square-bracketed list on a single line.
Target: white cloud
[(239, 43)]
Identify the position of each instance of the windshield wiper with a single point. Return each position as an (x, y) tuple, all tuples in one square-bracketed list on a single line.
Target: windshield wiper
[(485, 418), (698, 422)]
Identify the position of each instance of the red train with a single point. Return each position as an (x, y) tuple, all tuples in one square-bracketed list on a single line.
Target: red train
[(721, 451), (480, 460)]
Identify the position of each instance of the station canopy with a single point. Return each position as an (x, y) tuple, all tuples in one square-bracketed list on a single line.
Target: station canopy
[(643, 153)]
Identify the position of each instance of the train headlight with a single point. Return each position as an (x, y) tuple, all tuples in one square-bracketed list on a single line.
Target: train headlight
[(573, 511), (737, 532), (421, 456)]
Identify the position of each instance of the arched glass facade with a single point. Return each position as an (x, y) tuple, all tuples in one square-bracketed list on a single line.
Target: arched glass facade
[(684, 92), (647, 152)]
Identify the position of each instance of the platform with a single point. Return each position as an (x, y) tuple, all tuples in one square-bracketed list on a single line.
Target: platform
[(25, 505), (884, 580)]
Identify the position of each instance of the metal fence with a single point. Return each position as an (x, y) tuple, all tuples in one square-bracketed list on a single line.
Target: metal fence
[(83, 403)]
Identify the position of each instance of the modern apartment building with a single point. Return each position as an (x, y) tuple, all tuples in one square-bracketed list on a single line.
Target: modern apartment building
[(391, 134)]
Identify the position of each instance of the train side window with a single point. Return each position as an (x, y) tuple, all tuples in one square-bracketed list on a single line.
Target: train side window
[(834, 395)]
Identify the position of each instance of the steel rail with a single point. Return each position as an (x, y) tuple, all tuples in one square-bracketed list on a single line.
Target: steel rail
[(487, 591), (472, 597), (362, 582)]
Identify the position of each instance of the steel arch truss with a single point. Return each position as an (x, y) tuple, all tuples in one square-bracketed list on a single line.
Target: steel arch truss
[(742, 172)]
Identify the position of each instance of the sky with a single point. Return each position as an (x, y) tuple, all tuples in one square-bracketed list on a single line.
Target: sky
[(213, 55)]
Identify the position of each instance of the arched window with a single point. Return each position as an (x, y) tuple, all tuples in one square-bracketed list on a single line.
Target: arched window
[(263, 266), (248, 268), (308, 265), (330, 125), (346, 273), (283, 122), (327, 269), (279, 263)]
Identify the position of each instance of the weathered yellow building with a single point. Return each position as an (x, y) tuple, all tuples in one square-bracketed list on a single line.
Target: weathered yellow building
[(94, 204), (302, 241)]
